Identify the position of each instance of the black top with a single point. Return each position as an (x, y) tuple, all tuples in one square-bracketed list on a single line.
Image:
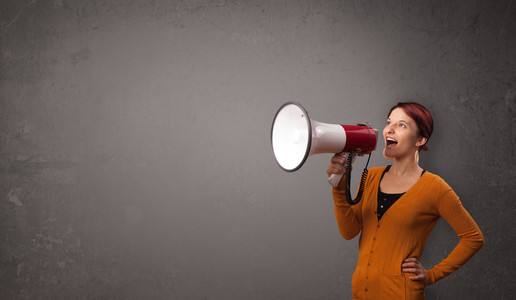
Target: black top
[(386, 200)]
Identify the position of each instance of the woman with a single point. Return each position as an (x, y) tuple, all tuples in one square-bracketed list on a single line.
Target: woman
[(400, 206)]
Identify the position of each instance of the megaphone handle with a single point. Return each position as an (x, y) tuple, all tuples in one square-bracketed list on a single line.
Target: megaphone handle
[(335, 179)]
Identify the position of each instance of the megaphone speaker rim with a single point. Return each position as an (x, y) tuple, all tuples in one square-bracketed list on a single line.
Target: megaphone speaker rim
[(309, 142)]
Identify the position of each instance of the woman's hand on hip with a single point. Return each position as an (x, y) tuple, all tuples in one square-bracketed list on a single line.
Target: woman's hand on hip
[(412, 265)]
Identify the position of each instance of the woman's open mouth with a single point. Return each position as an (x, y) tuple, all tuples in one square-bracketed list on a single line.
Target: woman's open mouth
[(390, 143)]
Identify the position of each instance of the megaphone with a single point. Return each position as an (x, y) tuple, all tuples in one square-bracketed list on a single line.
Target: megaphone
[(294, 137)]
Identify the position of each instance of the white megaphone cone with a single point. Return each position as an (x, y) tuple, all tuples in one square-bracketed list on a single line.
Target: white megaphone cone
[(294, 137)]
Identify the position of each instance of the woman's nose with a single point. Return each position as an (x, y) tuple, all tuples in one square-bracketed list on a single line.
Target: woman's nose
[(389, 129)]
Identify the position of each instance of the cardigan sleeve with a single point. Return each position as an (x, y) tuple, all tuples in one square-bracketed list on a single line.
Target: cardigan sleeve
[(471, 238), (349, 217)]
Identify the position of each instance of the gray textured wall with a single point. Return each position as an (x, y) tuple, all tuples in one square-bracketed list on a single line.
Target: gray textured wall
[(135, 160)]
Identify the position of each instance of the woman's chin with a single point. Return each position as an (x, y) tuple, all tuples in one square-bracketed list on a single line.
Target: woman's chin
[(389, 150), (388, 154)]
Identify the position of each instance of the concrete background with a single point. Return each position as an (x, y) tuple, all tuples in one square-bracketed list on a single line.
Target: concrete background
[(135, 160)]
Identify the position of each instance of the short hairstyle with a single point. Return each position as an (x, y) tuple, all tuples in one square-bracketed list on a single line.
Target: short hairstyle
[(422, 117)]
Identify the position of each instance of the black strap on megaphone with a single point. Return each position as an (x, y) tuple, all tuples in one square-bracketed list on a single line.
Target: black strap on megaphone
[(348, 179)]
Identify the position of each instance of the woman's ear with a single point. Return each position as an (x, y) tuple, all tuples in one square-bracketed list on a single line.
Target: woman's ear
[(421, 141)]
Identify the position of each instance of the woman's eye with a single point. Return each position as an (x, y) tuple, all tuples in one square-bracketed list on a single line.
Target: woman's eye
[(403, 125)]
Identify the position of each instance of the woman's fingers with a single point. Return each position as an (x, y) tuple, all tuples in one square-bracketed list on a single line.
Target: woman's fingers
[(409, 264), (338, 164), (338, 159), (417, 277), (412, 265), (335, 169), (410, 270)]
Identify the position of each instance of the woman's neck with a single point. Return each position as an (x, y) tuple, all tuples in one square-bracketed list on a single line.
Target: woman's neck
[(405, 166)]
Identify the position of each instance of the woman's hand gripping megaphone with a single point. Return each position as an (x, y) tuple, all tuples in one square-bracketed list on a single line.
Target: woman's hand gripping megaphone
[(338, 166)]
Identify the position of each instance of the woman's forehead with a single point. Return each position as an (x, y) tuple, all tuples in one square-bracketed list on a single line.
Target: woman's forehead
[(399, 114)]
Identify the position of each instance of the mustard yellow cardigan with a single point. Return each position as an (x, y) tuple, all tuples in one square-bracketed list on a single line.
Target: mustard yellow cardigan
[(401, 233)]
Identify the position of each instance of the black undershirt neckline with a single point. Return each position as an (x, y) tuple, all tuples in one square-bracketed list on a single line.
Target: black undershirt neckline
[(385, 200)]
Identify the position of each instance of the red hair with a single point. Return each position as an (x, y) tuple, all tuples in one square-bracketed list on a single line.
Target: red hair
[(422, 117)]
